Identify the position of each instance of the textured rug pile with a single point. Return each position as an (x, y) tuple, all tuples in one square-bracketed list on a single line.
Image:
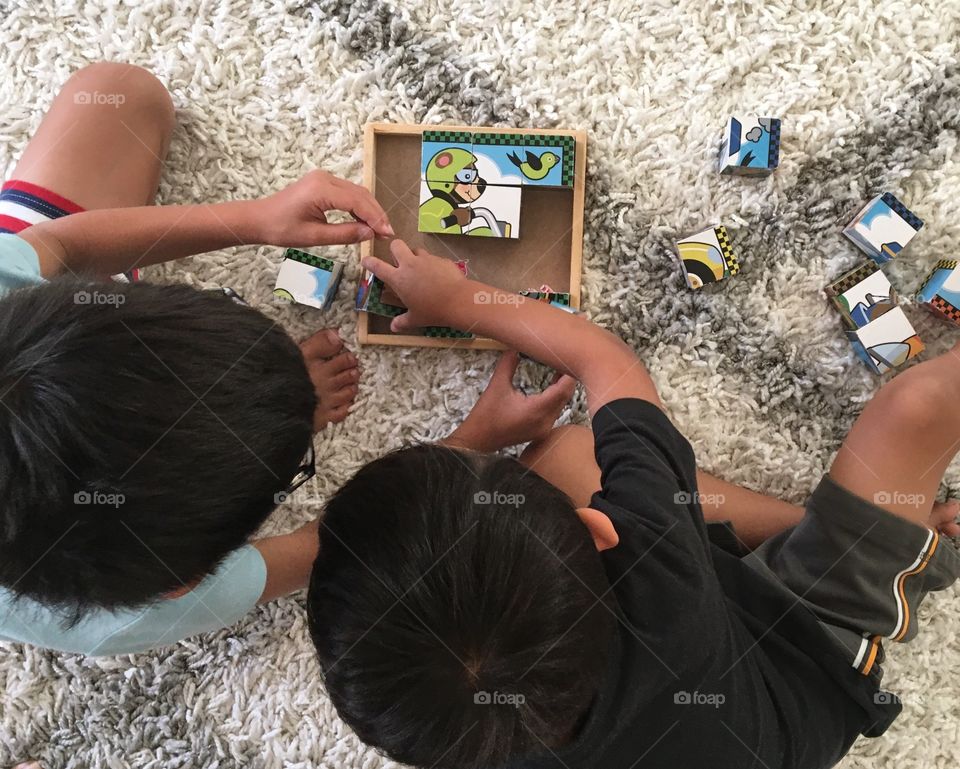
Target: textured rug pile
[(755, 371)]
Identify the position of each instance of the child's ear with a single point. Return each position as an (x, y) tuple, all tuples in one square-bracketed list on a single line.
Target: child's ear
[(601, 528), (180, 592)]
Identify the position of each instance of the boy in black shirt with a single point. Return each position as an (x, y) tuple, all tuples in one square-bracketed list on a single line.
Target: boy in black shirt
[(468, 614)]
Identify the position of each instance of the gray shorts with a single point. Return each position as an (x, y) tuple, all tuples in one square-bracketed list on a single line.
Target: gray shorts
[(862, 570)]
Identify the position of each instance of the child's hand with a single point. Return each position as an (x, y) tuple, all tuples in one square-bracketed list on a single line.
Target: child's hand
[(504, 416), (425, 283), (296, 216)]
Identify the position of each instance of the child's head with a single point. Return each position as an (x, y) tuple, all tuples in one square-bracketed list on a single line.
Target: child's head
[(457, 608), (144, 431)]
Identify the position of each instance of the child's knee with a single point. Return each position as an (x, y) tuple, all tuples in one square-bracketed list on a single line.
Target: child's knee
[(128, 87)]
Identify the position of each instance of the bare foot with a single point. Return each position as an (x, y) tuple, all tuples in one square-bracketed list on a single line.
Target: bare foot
[(334, 373), (944, 517)]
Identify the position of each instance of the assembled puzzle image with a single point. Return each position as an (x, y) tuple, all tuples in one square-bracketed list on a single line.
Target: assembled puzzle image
[(707, 257), (881, 334), (883, 228), (472, 182), (509, 201), (940, 290), (751, 146), (308, 279)]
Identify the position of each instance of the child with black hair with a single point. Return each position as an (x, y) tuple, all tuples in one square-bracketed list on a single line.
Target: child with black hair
[(469, 612), (146, 432)]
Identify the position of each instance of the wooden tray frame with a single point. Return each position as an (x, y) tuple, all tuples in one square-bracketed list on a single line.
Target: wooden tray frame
[(372, 130)]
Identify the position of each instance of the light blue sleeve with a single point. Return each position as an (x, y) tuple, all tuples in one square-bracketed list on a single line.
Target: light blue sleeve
[(19, 265), (219, 601)]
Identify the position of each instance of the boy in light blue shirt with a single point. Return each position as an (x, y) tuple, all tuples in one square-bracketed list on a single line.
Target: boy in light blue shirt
[(146, 432)]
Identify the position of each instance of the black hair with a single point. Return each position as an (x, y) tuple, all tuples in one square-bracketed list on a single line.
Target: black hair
[(457, 607), (144, 431)]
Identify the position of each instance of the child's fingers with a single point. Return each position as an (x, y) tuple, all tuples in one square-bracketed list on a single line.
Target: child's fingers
[(338, 234), (381, 269), (506, 368), (561, 391), (400, 250), (363, 205), (402, 323)]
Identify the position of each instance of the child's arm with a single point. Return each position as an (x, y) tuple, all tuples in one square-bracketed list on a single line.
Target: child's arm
[(503, 416), (436, 293), (116, 240), (289, 559)]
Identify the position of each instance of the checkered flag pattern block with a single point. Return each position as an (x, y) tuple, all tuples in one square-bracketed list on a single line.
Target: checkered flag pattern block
[(305, 258), (946, 309), (503, 139), (728, 256), (547, 296), (905, 213), (374, 305), (451, 137), (773, 158), (856, 275), (446, 333)]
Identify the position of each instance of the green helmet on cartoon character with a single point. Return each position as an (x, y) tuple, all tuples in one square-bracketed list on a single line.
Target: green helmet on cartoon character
[(452, 166)]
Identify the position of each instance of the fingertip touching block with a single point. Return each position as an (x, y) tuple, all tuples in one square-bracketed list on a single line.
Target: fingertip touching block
[(308, 279), (883, 227), (751, 146), (707, 256)]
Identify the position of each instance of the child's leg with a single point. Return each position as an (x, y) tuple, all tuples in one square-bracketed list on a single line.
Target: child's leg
[(566, 459), (899, 448), (103, 141)]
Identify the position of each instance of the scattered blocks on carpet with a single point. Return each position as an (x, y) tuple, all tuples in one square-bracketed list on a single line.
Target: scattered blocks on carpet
[(707, 256), (880, 332), (308, 279), (751, 146), (883, 228)]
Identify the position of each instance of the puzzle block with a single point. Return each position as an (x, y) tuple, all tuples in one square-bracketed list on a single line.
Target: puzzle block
[(375, 297), (479, 210), (751, 146), (494, 153), (887, 342), (308, 279), (707, 257), (862, 295), (445, 332), (547, 160), (883, 228), (553, 298), (940, 290), (444, 154)]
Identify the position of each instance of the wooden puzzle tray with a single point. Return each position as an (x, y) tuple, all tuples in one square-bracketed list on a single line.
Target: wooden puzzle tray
[(549, 249)]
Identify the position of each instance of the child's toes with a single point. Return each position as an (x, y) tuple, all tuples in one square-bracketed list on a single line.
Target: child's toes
[(324, 344), (334, 407), (944, 517)]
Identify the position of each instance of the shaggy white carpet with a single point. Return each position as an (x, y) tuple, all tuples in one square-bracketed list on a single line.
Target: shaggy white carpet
[(756, 372)]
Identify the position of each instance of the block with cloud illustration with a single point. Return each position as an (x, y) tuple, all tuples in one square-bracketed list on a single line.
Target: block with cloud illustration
[(941, 290), (751, 146), (308, 279), (883, 228)]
